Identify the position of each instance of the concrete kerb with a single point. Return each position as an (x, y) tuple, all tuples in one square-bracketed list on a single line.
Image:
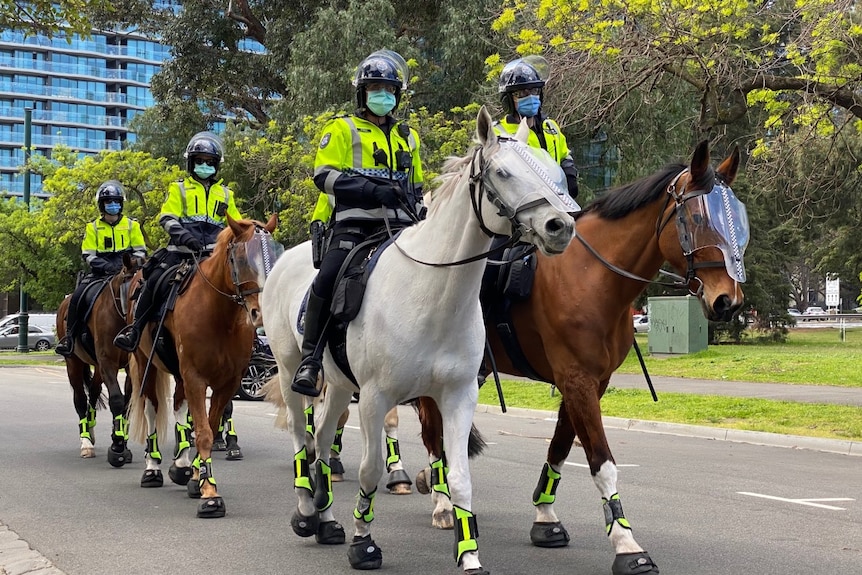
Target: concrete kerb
[(715, 433)]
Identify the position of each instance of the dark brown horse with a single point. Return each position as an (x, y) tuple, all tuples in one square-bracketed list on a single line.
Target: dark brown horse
[(96, 348), (205, 343), (575, 329)]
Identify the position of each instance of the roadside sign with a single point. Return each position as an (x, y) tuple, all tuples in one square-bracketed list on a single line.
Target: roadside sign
[(832, 292)]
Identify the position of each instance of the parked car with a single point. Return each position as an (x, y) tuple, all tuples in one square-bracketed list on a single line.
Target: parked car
[(815, 313), (793, 312), (641, 324), (38, 338), (46, 320)]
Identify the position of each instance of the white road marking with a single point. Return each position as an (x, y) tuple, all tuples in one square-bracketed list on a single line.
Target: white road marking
[(809, 502), (584, 465)]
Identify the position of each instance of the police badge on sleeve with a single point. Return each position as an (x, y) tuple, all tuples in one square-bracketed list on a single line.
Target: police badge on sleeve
[(325, 140)]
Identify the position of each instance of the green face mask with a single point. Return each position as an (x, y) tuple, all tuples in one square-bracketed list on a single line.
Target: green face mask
[(204, 171)]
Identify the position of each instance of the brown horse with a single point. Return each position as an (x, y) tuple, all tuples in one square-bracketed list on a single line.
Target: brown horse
[(97, 349), (575, 329), (205, 342)]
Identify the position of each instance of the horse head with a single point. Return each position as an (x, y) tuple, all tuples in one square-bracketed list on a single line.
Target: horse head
[(711, 233), (524, 189), (249, 250)]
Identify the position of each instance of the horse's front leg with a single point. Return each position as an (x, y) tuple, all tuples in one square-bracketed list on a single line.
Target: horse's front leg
[(399, 482), (336, 447), (181, 470), (305, 520), (585, 413), (457, 407), (152, 476), (118, 453), (547, 530), (364, 552), (212, 505), (330, 411)]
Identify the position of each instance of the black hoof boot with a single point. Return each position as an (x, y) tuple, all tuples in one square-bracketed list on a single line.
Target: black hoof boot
[(336, 467), (330, 533), (234, 452), (549, 535), (634, 564), (211, 508), (219, 444), (364, 554), (304, 526), (193, 489), (180, 475), (477, 571), (119, 458), (152, 478), (398, 477)]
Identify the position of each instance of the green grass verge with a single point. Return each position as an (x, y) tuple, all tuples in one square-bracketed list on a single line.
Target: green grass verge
[(807, 419)]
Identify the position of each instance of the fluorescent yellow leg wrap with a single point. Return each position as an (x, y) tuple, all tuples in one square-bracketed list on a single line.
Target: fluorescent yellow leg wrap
[(302, 479), (613, 508), (153, 448), (438, 476), (365, 506), (336, 444), (84, 426), (466, 532), (206, 468), (309, 419), (546, 489)]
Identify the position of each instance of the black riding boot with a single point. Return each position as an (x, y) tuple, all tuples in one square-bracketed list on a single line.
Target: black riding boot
[(130, 336), (313, 344), (66, 346)]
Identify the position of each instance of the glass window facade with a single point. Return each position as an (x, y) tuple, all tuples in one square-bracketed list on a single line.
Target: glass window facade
[(83, 94)]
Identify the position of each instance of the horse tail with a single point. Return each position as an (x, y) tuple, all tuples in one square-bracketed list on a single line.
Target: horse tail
[(432, 429), (138, 430), (272, 393), (476, 443)]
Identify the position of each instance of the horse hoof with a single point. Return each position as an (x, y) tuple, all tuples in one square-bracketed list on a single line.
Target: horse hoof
[(337, 477), (304, 526), (88, 453), (152, 478), (219, 445), (443, 520), (180, 475), (119, 459), (211, 508), (549, 535), (399, 483), (364, 554), (336, 467), (193, 489), (422, 484), (634, 564), (330, 533), (234, 454), (477, 571)]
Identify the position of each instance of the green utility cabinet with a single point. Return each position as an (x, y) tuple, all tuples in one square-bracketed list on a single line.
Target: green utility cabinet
[(677, 325)]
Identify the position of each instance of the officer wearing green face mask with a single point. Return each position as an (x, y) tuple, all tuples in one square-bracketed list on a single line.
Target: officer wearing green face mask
[(368, 171), (193, 214)]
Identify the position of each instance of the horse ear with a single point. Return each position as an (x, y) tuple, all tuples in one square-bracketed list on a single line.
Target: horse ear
[(523, 131), (700, 161), (485, 128), (730, 166), (272, 223)]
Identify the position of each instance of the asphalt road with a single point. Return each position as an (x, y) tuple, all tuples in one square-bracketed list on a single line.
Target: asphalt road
[(700, 507)]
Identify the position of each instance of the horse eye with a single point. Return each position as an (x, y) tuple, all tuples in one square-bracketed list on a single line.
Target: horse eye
[(697, 218), (502, 173)]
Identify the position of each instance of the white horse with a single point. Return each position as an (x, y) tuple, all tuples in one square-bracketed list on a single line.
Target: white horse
[(419, 331)]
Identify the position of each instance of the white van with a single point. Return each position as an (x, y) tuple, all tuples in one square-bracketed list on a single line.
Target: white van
[(44, 320)]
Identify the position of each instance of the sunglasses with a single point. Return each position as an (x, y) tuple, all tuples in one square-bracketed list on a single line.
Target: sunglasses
[(201, 162), (527, 92)]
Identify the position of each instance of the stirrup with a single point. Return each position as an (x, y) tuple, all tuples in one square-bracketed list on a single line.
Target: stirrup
[(127, 339), (65, 347)]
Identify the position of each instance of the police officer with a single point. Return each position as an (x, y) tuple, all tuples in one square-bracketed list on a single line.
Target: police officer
[(193, 214), (106, 239), (368, 166), (521, 91)]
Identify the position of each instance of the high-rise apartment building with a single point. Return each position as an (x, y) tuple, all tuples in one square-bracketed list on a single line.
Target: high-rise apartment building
[(83, 94)]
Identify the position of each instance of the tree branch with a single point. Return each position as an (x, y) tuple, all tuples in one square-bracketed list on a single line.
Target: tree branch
[(254, 28), (837, 95)]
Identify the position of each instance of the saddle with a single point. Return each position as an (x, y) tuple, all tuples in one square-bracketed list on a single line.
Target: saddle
[(167, 289), (92, 291)]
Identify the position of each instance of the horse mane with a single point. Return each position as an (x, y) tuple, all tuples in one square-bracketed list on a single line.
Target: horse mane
[(623, 200), (448, 178)]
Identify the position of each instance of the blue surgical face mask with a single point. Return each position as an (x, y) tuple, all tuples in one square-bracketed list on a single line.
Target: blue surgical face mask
[(113, 208), (204, 171), (381, 102), (529, 106)]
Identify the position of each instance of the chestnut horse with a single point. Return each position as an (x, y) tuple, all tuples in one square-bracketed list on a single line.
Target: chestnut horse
[(205, 342), (97, 349), (575, 329)]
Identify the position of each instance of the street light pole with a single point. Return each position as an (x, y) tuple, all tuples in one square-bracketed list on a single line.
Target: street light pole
[(24, 318)]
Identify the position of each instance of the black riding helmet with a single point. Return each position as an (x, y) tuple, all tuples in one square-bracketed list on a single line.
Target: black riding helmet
[(382, 66), (206, 145), (522, 74), (110, 191)]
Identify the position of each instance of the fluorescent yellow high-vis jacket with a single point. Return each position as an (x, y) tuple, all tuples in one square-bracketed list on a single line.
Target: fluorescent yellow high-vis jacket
[(104, 244), (192, 209), (354, 156)]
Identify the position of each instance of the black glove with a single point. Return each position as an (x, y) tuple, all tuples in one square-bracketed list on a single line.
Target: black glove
[(194, 244), (387, 194), (571, 180)]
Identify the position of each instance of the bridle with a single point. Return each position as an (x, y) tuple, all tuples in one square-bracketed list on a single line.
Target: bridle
[(679, 198), (478, 187)]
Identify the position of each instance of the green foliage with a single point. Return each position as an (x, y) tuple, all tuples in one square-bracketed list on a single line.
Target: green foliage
[(50, 17)]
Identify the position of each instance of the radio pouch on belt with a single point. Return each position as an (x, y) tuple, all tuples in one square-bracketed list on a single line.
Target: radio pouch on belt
[(318, 238)]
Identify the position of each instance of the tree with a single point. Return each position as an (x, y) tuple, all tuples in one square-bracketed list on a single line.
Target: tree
[(50, 17)]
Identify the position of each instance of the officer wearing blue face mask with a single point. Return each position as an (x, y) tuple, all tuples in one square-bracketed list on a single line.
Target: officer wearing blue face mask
[(368, 171), (521, 89), (106, 239), (193, 213)]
